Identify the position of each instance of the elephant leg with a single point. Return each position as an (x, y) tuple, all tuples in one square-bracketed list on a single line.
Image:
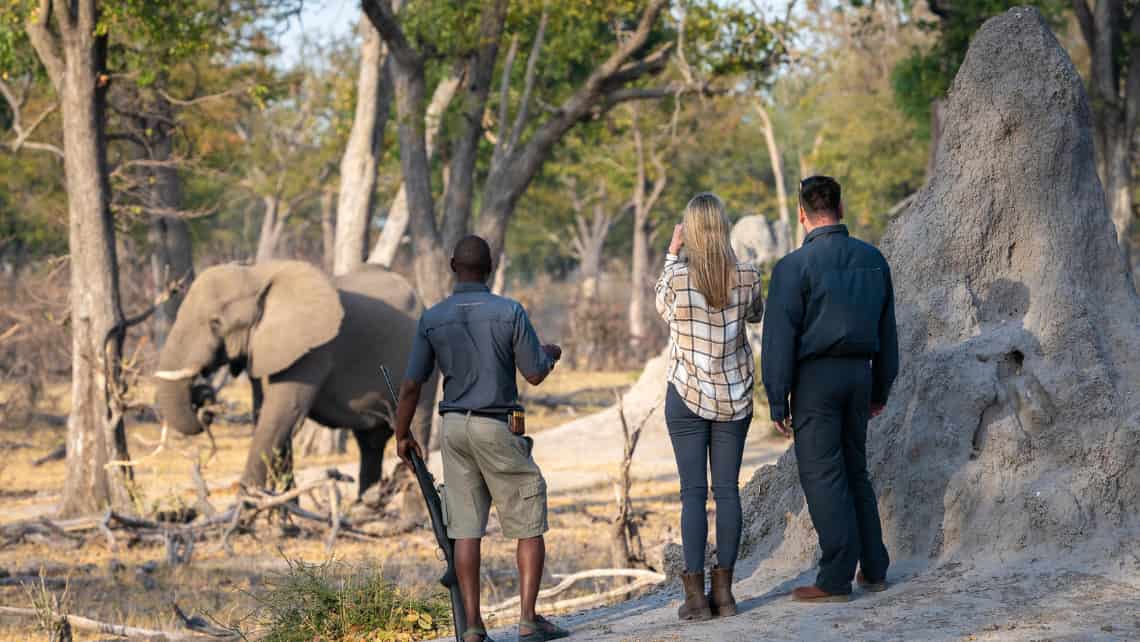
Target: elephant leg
[(371, 444), (288, 396), (258, 398)]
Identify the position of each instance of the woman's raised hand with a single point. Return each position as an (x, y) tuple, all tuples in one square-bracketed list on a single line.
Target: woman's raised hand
[(678, 239)]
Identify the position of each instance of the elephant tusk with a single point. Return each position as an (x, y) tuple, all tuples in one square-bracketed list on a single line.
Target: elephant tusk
[(176, 375)]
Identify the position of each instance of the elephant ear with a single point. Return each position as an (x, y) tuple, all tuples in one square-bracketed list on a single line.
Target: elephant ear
[(299, 310)]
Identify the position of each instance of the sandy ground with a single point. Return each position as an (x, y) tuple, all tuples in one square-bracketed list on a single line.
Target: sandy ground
[(1030, 600)]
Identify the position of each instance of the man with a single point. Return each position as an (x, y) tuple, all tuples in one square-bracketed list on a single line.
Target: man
[(830, 343), (478, 340)]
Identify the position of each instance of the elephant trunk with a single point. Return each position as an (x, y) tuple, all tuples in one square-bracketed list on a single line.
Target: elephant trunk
[(175, 406)]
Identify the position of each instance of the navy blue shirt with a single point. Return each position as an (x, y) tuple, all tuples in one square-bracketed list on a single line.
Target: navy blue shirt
[(833, 297), (478, 339)]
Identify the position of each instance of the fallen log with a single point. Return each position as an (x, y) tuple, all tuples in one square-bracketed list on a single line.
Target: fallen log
[(644, 578), (108, 628)]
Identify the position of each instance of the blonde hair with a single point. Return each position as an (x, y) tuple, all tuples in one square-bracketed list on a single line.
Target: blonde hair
[(712, 263)]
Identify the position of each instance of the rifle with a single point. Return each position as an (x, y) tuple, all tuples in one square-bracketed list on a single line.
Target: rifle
[(435, 510)]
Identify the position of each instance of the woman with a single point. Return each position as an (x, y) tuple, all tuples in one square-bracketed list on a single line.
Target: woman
[(706, 298)]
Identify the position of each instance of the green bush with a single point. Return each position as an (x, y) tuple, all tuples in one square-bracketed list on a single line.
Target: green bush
[(331, 602)]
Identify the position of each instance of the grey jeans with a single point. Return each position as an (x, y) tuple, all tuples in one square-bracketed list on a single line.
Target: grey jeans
[(720, 445)]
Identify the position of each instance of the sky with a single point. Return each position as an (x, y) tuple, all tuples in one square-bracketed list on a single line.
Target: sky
[(320, 19)]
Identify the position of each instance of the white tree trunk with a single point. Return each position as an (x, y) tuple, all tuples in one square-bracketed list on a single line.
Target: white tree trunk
[(639, 282), (777, 169), (314, 439), (328, 231), (362, 153), (272, 224)]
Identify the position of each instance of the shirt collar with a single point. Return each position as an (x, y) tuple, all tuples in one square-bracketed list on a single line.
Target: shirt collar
[(838, 228), (466, 286)]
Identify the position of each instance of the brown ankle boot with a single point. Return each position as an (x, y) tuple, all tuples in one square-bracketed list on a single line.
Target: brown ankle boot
[(721, 601), (696, 606)]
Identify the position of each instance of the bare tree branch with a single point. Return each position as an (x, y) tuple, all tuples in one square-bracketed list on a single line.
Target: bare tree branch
[(47, 44), (500, 141), (190, 102), (16, 104), (384, 19), (528, 84)]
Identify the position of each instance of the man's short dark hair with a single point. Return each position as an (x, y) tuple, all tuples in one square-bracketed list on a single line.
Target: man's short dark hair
[(473, 256), (820, 196)]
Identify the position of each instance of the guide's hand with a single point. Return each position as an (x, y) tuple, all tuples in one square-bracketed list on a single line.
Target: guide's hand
[(552, 350), (405, 447), (877, 409), (678, 239), (784, 426)]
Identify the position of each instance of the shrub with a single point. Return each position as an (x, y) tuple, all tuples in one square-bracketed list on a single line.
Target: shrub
[(323, 602)]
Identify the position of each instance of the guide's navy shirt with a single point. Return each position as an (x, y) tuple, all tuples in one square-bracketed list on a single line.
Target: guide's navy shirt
[(478, 339), (833, 297)]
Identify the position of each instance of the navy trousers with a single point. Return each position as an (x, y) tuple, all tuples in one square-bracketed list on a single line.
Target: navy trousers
[(719, 444), (831, 404)]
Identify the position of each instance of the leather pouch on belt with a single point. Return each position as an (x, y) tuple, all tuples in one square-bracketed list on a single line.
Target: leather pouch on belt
[(442, 490), (517, 422)]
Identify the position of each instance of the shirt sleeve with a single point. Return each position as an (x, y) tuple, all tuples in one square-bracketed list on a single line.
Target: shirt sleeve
[(421, 363), (885, 365), (780, 342), (756, 305), (664, 288), (530, 358)]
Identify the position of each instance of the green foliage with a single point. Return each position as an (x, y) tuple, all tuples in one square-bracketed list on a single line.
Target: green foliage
[(732, 39), (926, 74), (321, 602)]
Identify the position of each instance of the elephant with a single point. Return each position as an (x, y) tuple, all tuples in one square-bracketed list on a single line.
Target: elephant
[(311, 346)]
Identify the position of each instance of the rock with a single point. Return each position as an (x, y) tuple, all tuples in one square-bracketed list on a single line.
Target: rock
[(1015, 422)]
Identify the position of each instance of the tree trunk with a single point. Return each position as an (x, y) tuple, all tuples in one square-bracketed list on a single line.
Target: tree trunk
[(313, 439), (1113, 40), (328, 231), (1117, 178), (777, 170), (362, 153), (95, 433), (460, 193), (640, 281), (387, 246), (499, 282), (271, 225), (172, 257)]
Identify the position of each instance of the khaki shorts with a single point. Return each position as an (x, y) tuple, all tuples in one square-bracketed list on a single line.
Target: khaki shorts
[(484, 462)]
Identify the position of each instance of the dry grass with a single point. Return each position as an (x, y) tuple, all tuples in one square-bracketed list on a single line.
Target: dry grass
[(121, 586)]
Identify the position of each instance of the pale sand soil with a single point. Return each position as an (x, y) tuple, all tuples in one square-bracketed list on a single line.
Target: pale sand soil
[(1044, 600)]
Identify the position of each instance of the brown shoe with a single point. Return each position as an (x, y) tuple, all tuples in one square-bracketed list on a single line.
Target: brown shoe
[(872, 587), (815, 594), (696, 606), (720, 598)]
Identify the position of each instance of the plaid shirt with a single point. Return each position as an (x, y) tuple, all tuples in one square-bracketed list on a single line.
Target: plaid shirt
[(711, 362)]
